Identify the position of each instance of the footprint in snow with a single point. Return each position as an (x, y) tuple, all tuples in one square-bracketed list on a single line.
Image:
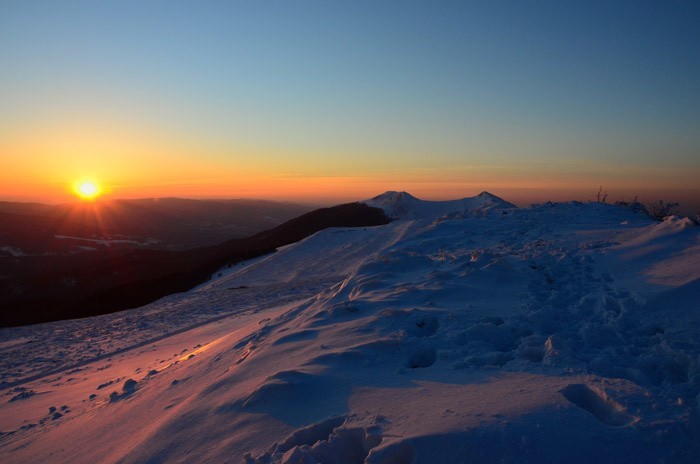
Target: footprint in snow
[(598, 403), (423, 357)]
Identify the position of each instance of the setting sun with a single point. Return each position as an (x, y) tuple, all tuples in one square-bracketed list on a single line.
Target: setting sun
[(87, 189)]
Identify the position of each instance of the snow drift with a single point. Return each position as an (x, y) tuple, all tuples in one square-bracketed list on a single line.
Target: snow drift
[(512, 335)]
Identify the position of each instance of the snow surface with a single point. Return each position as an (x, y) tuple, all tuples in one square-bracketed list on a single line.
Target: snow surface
[(557, 333)]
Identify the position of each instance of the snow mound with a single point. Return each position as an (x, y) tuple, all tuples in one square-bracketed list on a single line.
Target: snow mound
[(403, 205)]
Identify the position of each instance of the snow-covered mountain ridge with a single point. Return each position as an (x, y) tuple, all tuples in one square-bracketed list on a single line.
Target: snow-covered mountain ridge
[(556, 333), (403, 205)]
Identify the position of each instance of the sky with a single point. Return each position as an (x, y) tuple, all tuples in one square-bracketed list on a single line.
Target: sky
[(322, 101)]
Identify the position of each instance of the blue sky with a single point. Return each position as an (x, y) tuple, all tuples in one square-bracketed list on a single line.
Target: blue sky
[(534, 92)]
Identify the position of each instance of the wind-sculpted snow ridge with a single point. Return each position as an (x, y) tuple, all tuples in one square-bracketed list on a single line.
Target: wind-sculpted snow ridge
[(532, 335), (403, 205)]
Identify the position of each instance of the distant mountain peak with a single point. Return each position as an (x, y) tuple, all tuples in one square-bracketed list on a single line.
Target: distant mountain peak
[(403, 205), (393, 194)]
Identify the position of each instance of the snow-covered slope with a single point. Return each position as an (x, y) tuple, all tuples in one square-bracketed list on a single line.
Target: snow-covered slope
[(329, 254), (403, 205), (558, 333)]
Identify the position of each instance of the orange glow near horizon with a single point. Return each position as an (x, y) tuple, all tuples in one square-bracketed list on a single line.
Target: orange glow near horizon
[(516, 187), (137, 162)]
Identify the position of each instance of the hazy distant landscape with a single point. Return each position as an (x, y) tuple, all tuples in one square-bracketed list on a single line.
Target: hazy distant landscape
[(29, 229)]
